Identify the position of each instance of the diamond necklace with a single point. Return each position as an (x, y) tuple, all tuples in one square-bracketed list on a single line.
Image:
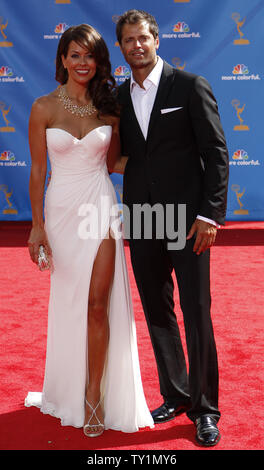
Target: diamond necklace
[(80, 111)]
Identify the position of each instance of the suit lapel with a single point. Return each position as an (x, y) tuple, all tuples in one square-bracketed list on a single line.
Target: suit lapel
[(165, 83)]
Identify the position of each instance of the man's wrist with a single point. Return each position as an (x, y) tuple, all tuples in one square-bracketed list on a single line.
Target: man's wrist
[(210, 221)]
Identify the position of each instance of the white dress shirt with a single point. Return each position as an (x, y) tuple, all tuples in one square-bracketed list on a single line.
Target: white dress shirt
[(143, 98), (143, 101)]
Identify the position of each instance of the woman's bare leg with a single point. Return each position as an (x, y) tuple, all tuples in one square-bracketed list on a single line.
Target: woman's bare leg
[(98, 327)]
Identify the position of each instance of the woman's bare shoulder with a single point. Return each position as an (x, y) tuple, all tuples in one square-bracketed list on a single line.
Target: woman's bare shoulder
[(46, 100), (111, 121), (45, 105)]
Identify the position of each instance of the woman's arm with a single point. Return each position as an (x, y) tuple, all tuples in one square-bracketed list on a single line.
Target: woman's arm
[(115, 162), (38, 149), (120, 165)]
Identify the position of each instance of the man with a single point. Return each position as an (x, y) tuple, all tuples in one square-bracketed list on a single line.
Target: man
[(171, 131)]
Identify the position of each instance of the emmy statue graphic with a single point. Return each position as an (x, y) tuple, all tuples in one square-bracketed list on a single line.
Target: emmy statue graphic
[(241, 41), (236, 189), (239, 111), (4, 43), (115, 20), (5, 112), (9, 208), (176, 61)]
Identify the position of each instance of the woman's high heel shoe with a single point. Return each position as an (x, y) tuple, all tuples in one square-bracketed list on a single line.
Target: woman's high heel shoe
[(93, 430)]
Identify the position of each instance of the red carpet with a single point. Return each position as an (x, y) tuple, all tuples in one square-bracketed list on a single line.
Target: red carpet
[(237, 288)]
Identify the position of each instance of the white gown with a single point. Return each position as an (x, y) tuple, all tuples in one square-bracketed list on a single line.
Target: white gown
[(80, 185)]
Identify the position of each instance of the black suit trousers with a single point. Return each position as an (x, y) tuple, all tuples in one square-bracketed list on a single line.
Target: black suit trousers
[(153, 264)]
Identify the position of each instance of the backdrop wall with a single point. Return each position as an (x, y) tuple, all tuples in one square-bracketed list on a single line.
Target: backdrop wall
[(221, 40)]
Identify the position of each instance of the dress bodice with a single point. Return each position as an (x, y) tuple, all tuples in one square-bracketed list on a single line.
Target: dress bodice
[(70, 154)]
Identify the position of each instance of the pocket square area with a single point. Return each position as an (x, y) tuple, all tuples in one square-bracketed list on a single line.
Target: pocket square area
[(169, 110)]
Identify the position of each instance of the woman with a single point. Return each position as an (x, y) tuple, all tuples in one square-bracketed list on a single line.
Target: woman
[(92, 377)]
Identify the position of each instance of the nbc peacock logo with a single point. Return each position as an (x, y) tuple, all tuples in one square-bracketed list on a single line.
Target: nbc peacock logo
[(241, 72), (240, 69), (181, 27), (181, 30), (6, 71), (240, 154), (58, 30), (240, 157), (6, 75), (7, 156), (121, 73)]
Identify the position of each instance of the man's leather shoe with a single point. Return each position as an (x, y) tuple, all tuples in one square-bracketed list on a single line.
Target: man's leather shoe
[(207, 431), (167, 411)]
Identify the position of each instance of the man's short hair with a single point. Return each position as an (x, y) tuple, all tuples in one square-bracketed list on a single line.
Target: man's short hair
[(134, 17)]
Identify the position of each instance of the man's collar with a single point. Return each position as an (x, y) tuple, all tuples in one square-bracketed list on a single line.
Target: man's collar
[(153, 77)]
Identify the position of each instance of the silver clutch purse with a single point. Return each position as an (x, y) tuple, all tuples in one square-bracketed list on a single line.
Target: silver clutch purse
[(43, 259)]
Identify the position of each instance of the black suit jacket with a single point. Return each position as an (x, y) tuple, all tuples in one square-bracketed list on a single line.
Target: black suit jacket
[(184, 159)]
